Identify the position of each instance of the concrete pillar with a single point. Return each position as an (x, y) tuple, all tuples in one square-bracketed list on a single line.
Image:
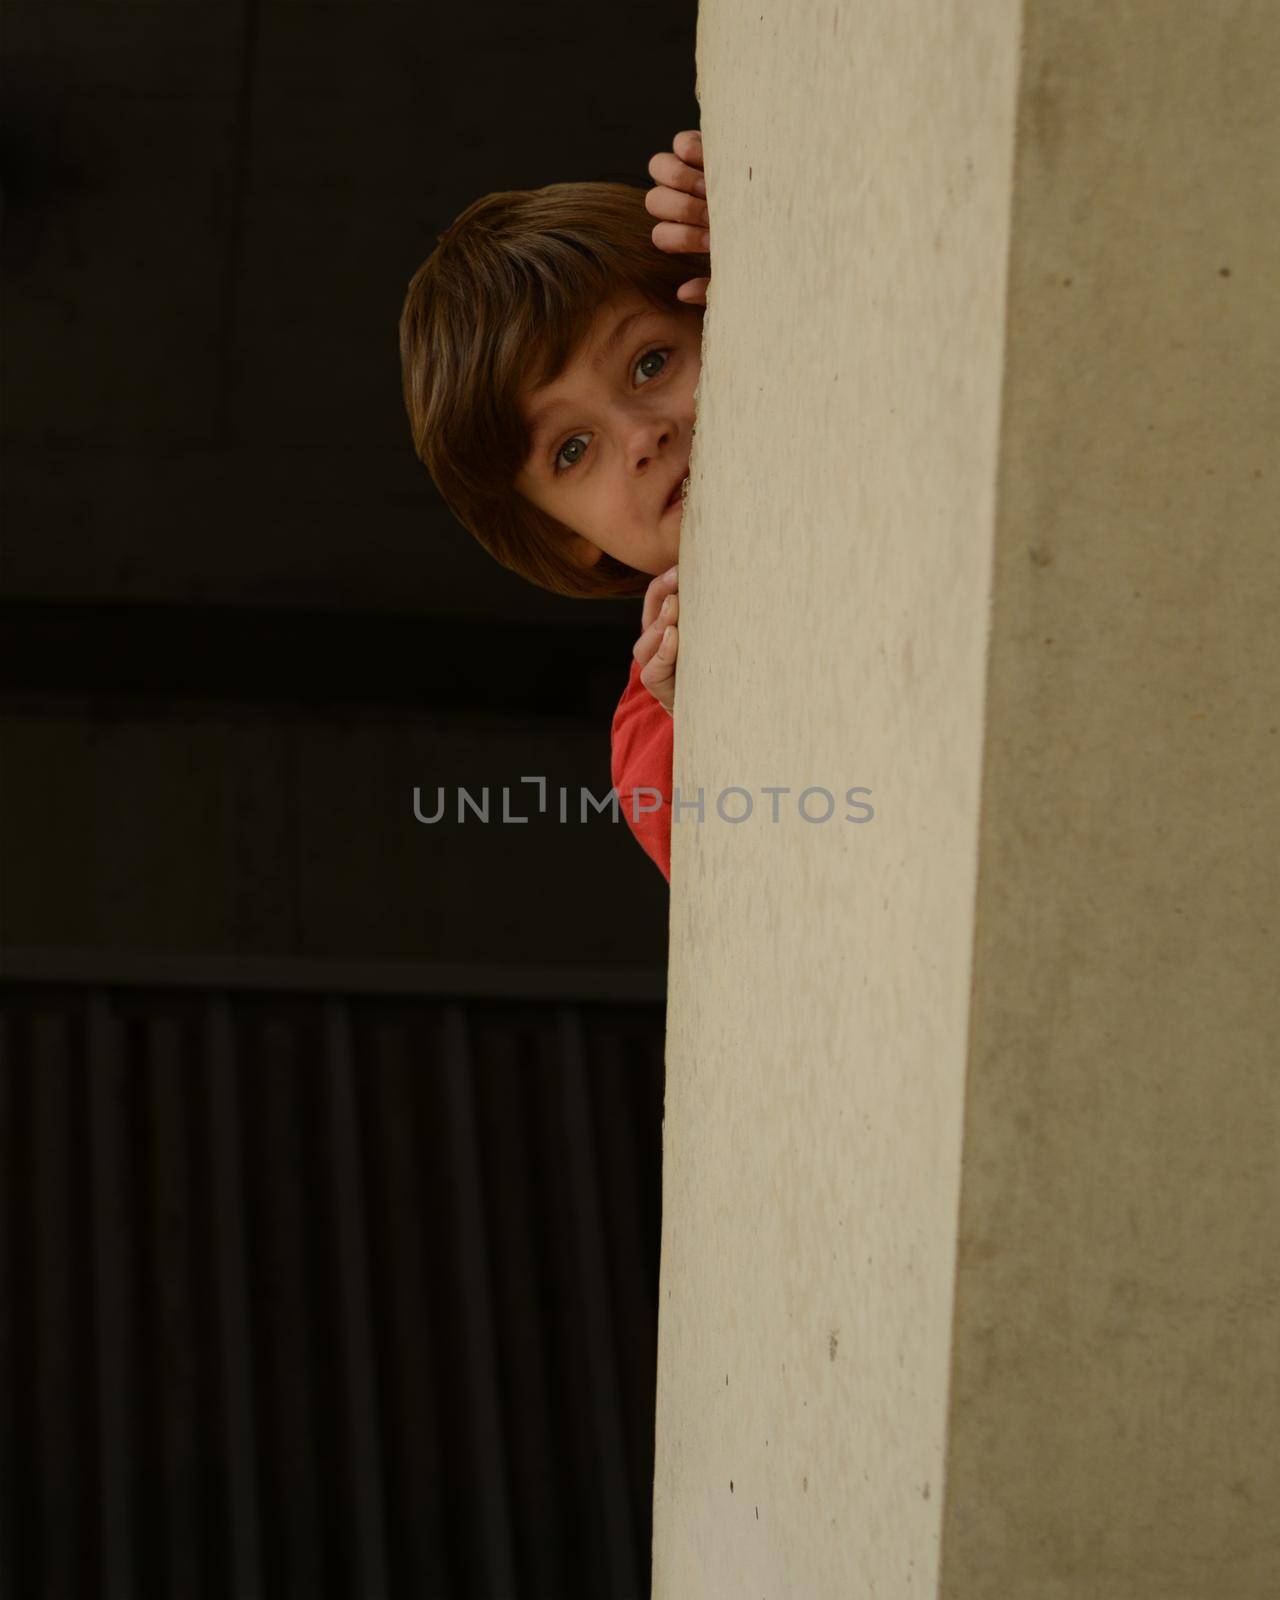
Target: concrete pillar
[(971, 1236)]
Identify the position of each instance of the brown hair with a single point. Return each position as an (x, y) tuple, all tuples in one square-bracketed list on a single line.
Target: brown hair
[(497, 309)]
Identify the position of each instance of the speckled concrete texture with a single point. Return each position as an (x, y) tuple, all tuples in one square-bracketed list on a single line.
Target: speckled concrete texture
[(971, 1234)]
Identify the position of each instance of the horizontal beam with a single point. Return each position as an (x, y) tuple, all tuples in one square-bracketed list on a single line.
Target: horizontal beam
[(623, 986)]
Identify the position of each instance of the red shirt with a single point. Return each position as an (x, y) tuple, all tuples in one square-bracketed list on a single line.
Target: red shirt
[(642, 737)]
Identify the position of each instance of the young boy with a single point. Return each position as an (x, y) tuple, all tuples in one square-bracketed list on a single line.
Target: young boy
[(549, 355)]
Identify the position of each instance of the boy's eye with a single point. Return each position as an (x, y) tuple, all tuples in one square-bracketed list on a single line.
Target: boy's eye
[(573, 438)]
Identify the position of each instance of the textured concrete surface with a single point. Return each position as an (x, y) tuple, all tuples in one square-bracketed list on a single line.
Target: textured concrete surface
[(971, 1189)]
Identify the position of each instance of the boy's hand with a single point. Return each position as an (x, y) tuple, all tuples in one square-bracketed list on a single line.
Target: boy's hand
[(680, 198), (657, 645)]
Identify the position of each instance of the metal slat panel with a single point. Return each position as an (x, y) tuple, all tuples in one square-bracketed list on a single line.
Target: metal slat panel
[(402, 1304), (539, 1492), (620, 1199), (495, 1564), (582, 1521), (284, 1305), (114, 1268), (231, 1275), (365, 1445), (57, 1531), (602, 1371), (174, 1337), (324, 1296), (9, 1560)]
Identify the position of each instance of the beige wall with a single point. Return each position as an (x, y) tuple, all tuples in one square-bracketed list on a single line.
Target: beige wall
[(971, 1255)]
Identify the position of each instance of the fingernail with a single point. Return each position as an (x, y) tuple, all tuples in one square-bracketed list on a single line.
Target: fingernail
[(667, 637)]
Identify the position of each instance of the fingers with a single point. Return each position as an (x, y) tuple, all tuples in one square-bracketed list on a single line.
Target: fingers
[(668, 169), (682, 239), (664, 584), (652, 644), (679, 201), (688, 146), (650, 641), (659, 675), (657, 647), (671, 205)]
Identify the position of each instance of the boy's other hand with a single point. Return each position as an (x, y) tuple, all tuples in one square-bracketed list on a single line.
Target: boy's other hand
[(680, 199), (659, 641)]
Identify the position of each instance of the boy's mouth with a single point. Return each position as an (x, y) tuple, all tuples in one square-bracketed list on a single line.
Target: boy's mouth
[(676, 495)]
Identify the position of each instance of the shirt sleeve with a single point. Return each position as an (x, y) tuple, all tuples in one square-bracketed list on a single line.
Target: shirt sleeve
[(642, 740)]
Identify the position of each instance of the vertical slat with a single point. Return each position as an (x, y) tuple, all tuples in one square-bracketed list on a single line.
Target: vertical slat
[(114, 1267), (57, 1460), (9, 1576), (365, 1474), (232, 1278), (635, 1303), (521, 1300), (623, 1554), (174, 1368), (290, 1316), (480, 1370), (581, 1523), (414, 1425)]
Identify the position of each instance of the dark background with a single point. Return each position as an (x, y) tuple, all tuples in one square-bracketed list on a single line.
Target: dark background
[(331, 1141)]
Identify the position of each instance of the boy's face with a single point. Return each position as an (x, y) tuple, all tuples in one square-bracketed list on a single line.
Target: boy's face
[(614, 434)]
